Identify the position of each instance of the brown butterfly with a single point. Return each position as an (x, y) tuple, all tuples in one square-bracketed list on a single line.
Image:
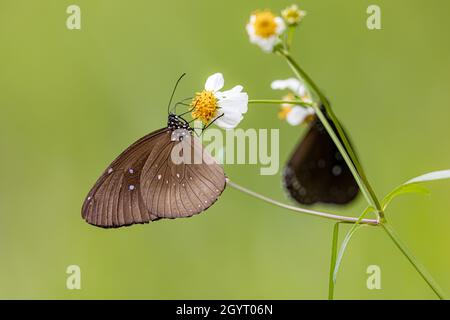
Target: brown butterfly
[(145, 184), (317, 172)]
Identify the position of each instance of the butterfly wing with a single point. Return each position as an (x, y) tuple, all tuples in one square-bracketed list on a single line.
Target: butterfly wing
[(143, 184), (317, 171), (174, 190), (115, 200)]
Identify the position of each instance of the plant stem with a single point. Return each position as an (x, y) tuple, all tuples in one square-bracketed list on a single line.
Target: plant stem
[(355, 167), (413, 260), (326, 215), (334, 246), (289, 37), (346, 241), (296, 102), (346, 151)]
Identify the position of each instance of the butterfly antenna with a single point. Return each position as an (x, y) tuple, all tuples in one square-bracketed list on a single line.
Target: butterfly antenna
[(173, 91)]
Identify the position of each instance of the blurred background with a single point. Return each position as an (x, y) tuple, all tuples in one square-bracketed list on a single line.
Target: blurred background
[(70, 101)]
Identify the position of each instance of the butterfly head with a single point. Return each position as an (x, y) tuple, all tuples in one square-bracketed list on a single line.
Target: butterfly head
[(179, 127), (175, 122)]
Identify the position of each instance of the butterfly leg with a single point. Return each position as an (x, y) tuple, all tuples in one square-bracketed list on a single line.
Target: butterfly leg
[(209, 124)]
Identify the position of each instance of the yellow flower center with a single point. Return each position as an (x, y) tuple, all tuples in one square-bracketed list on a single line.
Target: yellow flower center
[(286, 107), (292, 15), (284, 111), (265, 25), (204, 106)]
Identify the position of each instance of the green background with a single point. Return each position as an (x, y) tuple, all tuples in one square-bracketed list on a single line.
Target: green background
[(70, 101)]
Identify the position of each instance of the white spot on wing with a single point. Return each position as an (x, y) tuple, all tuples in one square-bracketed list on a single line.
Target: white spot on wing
[(131, 187), (337, 170)]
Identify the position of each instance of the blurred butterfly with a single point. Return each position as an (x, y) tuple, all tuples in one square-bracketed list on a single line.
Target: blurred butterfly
[(144, 183), (317, 172)]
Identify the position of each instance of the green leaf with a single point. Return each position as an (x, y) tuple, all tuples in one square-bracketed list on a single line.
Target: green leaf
[(414, 186), (334, 248), (344, 245), (347, 238), (432, 176), (403, 189)]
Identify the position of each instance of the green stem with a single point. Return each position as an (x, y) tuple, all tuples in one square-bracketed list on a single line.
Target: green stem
[(296, 102), (346, 241), (290, 37), (350, 158), (334, 247), (345, 148), (413, 260), (343, 219)]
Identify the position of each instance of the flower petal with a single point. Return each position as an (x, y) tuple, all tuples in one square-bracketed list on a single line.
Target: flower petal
[(215, 82), (284, 84), (229, 120), (292, 84), (235, 102), (296, 116), (281, 26), (267, 44), (250, 30), (235, 89), (227, 93)]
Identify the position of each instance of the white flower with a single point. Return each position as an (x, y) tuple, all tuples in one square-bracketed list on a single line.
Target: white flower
[(291, 84), (225, 108), (293, 15), (264, 29), (298, 115), (294, 114)]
